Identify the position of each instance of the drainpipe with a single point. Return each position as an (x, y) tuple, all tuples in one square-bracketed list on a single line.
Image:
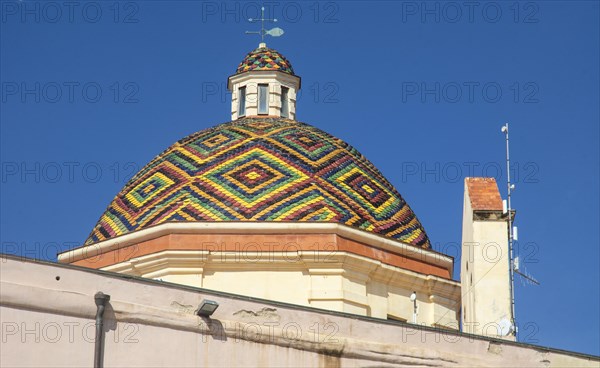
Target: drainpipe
[(101, 300)]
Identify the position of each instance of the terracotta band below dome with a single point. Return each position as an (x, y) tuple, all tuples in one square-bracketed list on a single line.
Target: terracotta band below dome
[(326, 243)]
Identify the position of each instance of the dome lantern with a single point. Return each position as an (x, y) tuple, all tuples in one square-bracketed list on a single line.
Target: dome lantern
[(264, 85)]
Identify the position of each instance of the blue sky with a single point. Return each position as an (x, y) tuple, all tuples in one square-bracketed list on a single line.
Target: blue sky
[(94, 90)]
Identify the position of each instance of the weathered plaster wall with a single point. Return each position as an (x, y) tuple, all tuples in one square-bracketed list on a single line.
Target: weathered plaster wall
[(49, 322)]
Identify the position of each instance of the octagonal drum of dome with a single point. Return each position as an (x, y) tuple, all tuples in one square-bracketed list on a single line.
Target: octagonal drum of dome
[(261, 169)]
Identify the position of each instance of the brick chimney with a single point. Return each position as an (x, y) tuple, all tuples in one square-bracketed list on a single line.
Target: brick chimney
[(485, 278)]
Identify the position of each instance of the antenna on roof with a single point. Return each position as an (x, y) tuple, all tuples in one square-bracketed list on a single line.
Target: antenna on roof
[(512, 235), (527, 278), (273, 32), (509, 212)]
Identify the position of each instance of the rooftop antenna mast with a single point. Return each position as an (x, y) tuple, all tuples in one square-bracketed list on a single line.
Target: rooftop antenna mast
[(273, 32), (512, 236), (508, 210)]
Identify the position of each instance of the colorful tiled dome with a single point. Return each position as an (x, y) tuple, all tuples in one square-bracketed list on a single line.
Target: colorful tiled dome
[(261, 169), (264, 58)]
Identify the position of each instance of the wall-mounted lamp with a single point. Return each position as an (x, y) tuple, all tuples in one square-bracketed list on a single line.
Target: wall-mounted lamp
[(413, 298), (207, 308)]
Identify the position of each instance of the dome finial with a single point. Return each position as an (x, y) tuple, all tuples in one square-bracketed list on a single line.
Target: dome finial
[(274, 32)]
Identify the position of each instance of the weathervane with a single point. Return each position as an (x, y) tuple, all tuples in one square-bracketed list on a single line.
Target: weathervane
[(274, 32)]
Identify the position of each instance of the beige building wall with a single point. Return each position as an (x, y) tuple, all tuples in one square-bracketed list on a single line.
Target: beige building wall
[(347, 283), (349, 273), (47, 317)]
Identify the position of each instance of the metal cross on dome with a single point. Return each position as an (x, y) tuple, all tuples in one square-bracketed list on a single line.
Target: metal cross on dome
[(273, 32)]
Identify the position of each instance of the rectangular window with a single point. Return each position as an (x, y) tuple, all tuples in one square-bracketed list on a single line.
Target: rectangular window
[(263, 96), (242, 101), (285, 107)]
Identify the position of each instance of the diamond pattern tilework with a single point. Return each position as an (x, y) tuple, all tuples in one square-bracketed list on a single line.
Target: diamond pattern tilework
[(264, 58), (261, 169)]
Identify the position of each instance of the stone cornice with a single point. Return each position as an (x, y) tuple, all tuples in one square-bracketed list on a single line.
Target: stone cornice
[(258, 74)]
